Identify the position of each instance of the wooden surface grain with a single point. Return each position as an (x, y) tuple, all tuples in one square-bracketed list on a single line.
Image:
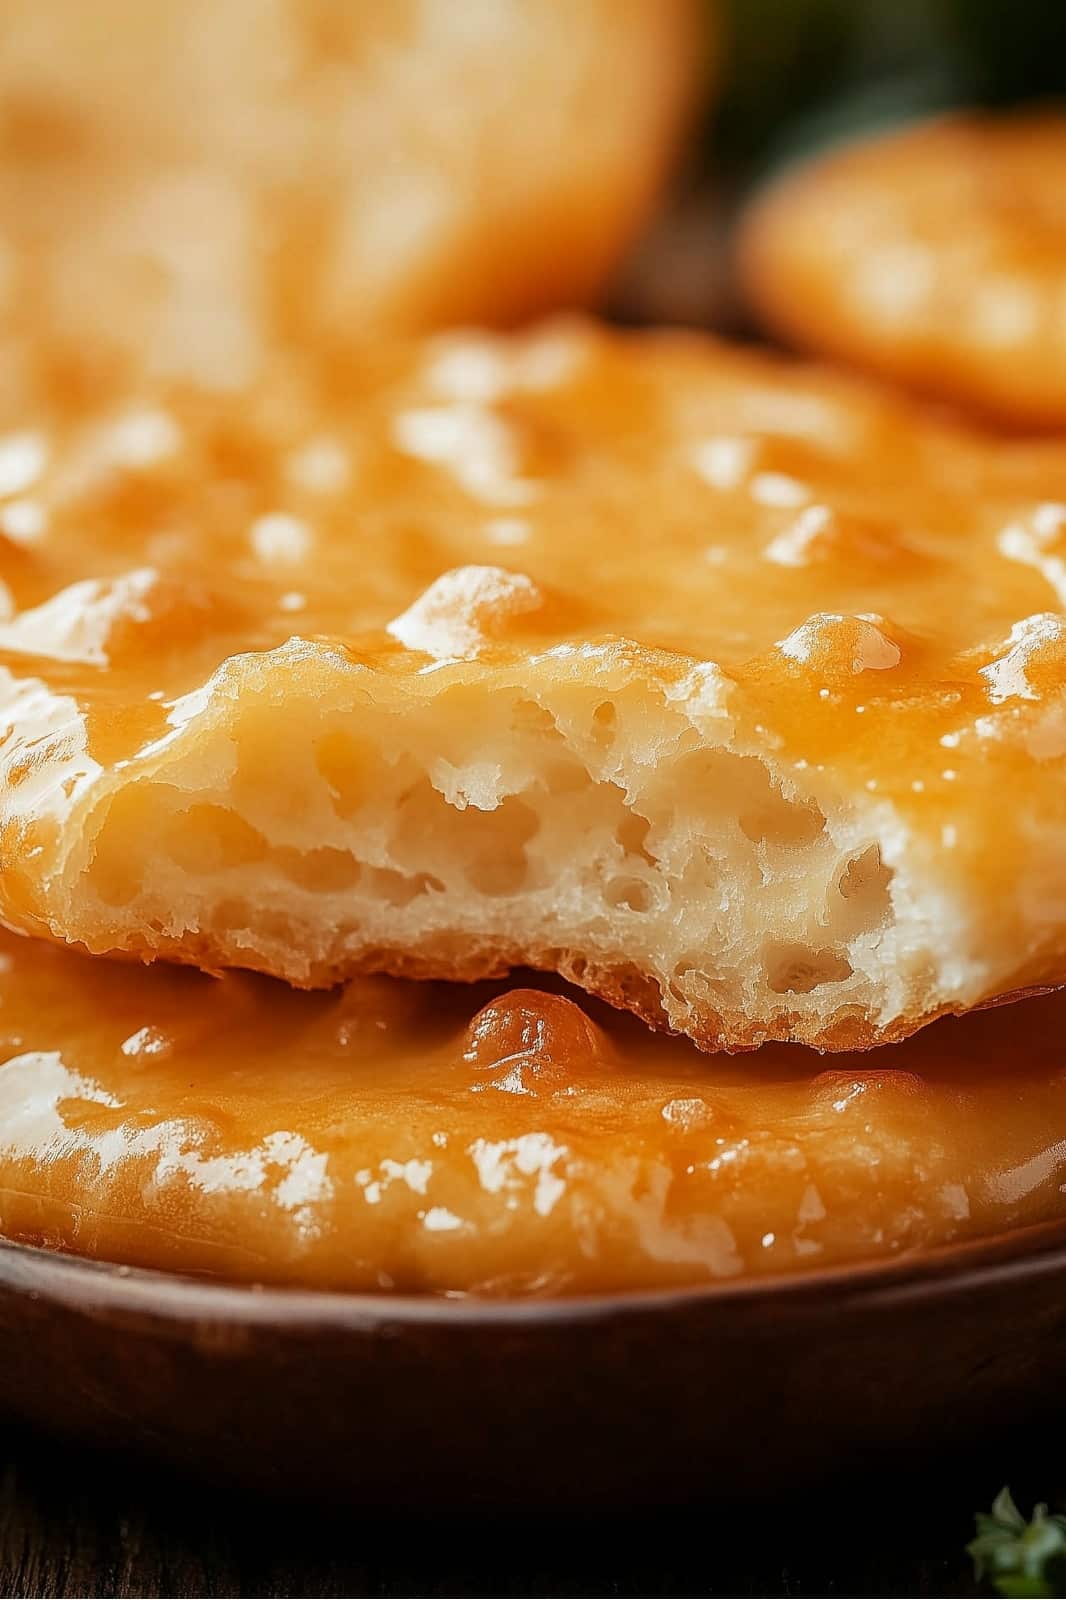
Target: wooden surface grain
[(78, 1525)]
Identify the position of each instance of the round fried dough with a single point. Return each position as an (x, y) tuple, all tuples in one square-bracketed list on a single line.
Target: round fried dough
[(422, 1138), (935, 256), (184, 184), (730, 690)]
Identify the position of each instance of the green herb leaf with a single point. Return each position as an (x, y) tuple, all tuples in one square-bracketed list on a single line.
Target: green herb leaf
[(1019, 1557)]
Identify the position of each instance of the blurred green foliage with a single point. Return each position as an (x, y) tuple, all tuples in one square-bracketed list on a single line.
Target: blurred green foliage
[(1020, 1558), (798, 72)]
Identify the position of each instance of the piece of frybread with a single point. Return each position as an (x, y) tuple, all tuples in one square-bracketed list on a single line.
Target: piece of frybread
[(731, 690)]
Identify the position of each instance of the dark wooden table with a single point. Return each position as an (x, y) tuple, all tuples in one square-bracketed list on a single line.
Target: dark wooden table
[(72, 1524)]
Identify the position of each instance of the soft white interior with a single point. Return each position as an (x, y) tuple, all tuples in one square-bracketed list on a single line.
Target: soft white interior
[(628, 828)]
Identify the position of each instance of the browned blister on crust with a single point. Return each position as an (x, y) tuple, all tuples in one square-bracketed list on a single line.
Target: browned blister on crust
[(732, 691)]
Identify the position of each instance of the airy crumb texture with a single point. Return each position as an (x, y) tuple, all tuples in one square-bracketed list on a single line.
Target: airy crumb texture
[(188, 184), (733, 692), (935, 256)]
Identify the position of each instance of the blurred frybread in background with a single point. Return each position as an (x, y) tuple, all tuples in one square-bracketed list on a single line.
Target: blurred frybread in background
[(187, 184)]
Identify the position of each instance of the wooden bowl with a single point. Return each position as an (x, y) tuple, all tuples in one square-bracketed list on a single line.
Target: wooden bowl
[(738, 1389)]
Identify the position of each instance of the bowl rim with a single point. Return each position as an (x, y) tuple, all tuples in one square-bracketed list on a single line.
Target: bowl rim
[(86, 1284)]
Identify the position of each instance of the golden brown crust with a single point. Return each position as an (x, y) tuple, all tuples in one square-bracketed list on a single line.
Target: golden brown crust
[(622, 985)]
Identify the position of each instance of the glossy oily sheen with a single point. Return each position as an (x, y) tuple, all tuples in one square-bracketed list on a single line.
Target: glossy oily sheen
[(423, 1138), (646, 660)]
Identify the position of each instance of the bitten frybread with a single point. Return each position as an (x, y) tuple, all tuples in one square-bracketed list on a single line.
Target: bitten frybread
[(732, 691)]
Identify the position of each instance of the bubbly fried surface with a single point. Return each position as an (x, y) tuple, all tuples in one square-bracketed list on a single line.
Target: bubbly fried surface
[(935, 256), (416, 1137), (731, 691), (185, 185)]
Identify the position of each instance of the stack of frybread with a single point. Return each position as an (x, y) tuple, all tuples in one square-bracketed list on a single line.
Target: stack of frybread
[(351, 660)]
